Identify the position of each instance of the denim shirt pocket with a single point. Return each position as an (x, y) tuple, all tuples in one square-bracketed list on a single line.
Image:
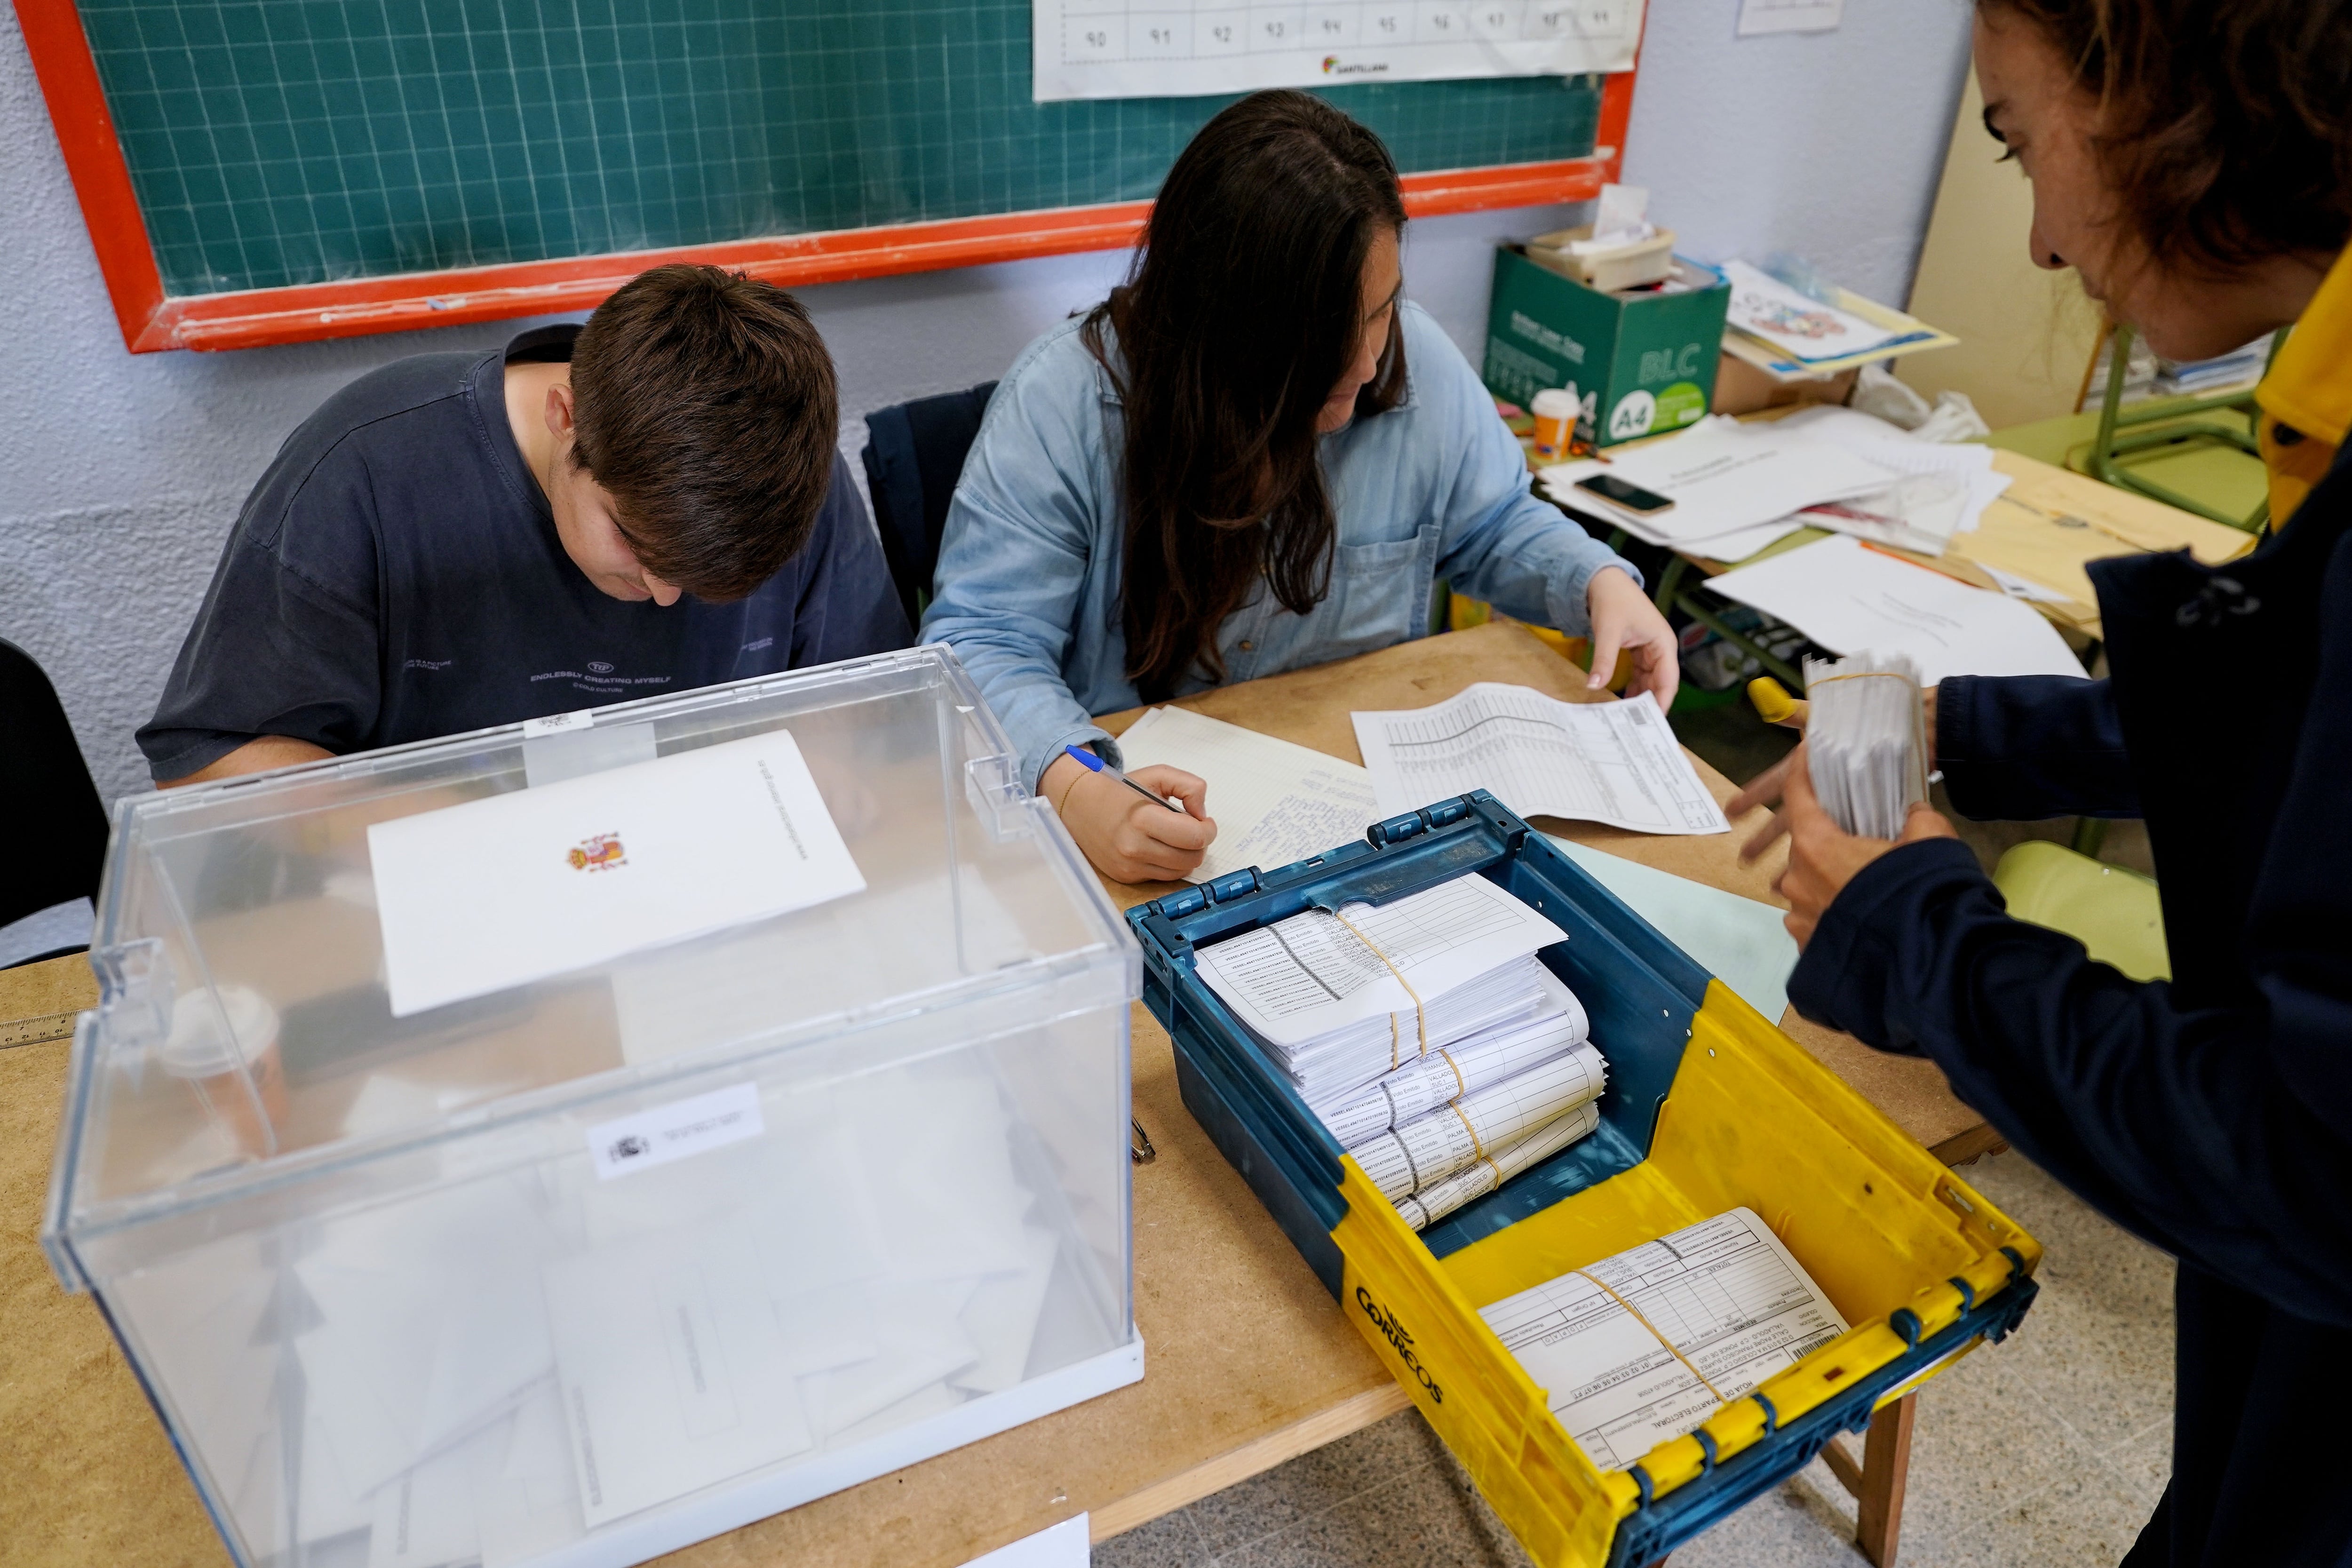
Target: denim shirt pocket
[(1379, 596)]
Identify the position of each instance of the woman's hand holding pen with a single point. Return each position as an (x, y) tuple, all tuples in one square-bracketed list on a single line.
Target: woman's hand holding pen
[(1127, 838)]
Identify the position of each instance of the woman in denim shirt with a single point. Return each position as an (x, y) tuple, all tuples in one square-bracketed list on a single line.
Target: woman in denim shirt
[(1254, 455)]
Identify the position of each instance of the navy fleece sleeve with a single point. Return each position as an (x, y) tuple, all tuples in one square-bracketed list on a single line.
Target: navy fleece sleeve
[(2015, 748), (2189, 1126)]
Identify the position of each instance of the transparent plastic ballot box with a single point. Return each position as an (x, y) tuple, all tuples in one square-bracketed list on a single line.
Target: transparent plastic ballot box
[(580, 1270)]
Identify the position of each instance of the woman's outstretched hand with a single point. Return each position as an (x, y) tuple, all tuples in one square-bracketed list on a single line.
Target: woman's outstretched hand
[(1624, 621), (1129, 838), (1822, 856)]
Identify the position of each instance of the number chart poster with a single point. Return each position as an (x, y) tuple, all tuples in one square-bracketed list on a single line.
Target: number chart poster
[(1163, 48)]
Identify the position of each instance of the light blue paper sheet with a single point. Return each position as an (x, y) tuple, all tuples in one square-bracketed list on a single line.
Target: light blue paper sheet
[(1739, 940)]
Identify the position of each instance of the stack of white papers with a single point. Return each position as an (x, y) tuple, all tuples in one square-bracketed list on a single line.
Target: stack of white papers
[(1425, 1151), (1616, 762), (1738, 487), (1866, 741), (1733, 486), (1339, 1004), (1449, 1071), (1438, 1101), (1274, 803), (1846, 596), (1942, 487), (1735, 1308), (1342, 1060), (1432, 1203)]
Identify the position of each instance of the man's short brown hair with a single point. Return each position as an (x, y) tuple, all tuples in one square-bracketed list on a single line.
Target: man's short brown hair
[(704, 402)]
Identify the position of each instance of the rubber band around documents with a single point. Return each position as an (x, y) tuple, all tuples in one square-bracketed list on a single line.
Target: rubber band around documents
[(1636, 1314), (1476, 1147), (1421, 1014), (1460, 1087), (1861, 675)]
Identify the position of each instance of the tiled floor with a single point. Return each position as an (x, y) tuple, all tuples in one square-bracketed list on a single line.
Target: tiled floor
[(2050, 1449)]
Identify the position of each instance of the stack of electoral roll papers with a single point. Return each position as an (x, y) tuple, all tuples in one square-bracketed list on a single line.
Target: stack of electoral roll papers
[(1425, 1034)]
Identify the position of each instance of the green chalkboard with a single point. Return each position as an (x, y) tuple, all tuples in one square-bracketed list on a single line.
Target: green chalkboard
[(289, 141)]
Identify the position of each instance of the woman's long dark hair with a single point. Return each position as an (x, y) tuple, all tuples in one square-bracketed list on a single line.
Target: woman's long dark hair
[(1240, 315)]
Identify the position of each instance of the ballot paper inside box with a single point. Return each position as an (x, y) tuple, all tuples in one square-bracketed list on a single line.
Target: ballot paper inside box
[(1708, 1110), (683, 1230)]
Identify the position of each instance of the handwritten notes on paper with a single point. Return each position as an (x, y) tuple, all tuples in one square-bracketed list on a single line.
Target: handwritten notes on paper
[(1274, 803)]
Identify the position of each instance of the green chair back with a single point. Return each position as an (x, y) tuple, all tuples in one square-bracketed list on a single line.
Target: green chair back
[(2112, 911)]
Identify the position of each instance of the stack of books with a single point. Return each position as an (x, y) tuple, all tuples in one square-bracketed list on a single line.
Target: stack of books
[(2146, 375)]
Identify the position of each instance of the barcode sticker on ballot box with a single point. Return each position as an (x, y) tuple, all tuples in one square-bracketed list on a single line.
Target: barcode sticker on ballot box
[(679, 1131)]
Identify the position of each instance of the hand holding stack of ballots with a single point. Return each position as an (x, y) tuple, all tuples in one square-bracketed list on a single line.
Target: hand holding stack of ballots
[(1425, 1034), (1866, 741)]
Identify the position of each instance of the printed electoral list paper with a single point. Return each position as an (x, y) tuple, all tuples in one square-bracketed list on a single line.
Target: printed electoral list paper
[(518, 887), (1599, 762), (1312, 973), (1735, 1308)]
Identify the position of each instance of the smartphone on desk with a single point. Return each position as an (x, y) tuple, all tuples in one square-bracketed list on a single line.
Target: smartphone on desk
[(1626, 495)]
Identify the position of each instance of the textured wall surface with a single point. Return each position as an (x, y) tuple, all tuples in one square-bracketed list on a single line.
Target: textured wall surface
[(1827, 146), (120, 474)]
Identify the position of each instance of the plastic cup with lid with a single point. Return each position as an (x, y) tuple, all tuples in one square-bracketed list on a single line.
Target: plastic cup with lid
[(1555, 416), (240, 1079)]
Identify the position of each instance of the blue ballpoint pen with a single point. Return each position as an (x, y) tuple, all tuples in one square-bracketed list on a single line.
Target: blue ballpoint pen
[(1094, 765)]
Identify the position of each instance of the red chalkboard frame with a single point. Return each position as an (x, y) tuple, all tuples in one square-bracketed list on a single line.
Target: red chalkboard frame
[(152, 321)]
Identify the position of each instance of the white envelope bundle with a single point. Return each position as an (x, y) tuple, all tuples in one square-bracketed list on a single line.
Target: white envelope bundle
[(1866, 741)]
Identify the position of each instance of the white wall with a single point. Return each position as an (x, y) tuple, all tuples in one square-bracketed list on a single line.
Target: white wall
[(1827, 146), (120, 474)]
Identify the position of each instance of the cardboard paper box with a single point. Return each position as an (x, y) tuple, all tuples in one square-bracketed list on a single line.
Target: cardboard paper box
[(1640, 361)]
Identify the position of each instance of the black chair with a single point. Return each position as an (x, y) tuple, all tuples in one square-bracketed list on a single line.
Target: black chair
[(58, 826), (914, 455)]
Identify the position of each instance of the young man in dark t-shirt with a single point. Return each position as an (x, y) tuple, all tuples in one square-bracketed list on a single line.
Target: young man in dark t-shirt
[(646, 504)]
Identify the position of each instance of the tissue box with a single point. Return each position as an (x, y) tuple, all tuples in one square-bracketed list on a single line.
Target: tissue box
[(1633, 266)]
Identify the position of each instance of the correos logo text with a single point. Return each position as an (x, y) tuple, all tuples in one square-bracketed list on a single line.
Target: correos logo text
[(1398, 1341)]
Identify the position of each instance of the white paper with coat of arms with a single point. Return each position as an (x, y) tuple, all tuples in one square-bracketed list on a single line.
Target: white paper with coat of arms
[(538, 882), (1183, 48)]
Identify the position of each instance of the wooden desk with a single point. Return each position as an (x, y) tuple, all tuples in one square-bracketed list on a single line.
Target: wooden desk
[(1248, 1360)]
